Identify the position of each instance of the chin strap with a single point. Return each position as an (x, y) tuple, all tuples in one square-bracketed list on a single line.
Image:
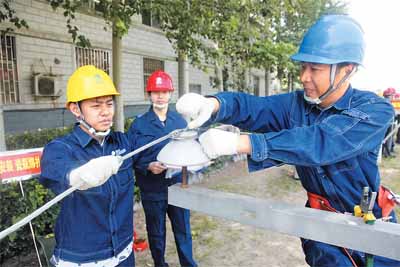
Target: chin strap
[(81, 121), (331, 87)]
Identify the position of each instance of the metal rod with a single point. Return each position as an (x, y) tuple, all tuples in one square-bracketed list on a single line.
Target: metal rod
[(392, 132), (7, 69), (13, 71), (184, 177), (3, 61), (372, 201), (159, 140)]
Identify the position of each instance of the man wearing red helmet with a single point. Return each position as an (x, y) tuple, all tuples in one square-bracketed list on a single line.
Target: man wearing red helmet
[(389, 92), (158, 121)]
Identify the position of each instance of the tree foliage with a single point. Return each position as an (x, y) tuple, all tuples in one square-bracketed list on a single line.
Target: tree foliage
[(240, 33), (8, 14), (243, 34), (120, 12)]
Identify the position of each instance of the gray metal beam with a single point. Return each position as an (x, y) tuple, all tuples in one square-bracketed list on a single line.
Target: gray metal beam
[(342, 230)]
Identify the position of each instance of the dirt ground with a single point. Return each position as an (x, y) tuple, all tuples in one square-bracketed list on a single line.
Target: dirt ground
[(218, 242)]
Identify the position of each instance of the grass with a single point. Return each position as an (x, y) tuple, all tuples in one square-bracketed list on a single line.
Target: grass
[(203, 234), (202, 224), (390, 174), (283, 185)]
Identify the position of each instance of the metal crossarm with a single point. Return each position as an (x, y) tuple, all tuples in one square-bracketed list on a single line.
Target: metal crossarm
[(342, 230)]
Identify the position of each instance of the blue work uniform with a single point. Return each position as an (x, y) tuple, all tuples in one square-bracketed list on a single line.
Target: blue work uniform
[(97, 223), (154, 189), (334, 149)]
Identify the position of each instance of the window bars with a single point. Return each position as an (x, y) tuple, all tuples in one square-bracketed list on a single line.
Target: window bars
[(9, 92), (90, 56), (149, 66)]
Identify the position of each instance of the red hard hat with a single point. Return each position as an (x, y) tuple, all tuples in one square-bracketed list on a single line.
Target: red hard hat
[(389, 92), (159, 81)]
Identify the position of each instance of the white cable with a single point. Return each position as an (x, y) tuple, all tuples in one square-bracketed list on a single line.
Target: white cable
[(36, 213)]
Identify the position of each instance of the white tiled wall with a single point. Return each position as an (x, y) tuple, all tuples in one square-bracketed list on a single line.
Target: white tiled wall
[(47, 40)]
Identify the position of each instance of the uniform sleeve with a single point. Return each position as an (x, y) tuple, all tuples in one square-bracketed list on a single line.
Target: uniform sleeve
[(252, 113), (56, 164), (339, 137)]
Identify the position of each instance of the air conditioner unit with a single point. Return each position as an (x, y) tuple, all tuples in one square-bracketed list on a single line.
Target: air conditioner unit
[(46, 85)]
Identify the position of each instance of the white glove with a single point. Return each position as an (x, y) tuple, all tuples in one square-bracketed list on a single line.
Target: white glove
[(217, 142), (95, 173), (195, 107)]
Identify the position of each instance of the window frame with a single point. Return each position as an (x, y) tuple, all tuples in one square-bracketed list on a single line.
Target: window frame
[(151, 19), (94, 53), (195, 88), (256, 85), (149, 70), (9, 68)]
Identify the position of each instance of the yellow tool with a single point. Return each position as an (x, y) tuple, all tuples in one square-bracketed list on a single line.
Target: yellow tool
[(364, 210), (366, 206)]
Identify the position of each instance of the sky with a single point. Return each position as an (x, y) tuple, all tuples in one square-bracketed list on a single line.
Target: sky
[(381, 23)]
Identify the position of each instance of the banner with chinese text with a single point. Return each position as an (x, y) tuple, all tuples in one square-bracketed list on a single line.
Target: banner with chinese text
[(19, 164)]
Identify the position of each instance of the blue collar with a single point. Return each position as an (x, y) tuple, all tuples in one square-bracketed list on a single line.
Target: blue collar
[(83, 137), (341, 104), (153, 116), (345, 101)]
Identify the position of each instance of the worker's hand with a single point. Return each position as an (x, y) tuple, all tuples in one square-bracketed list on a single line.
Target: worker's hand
[(196, 107), (156, 167), (95, 172), (217, 142)]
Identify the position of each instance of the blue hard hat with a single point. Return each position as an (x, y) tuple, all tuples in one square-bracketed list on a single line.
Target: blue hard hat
[(332, 39)]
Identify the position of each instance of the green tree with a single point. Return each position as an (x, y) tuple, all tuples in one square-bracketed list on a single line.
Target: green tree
[(294, 18), (8, 14), (241, 34)]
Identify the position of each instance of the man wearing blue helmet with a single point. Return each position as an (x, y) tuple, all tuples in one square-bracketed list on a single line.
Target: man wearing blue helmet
[(330, 131)]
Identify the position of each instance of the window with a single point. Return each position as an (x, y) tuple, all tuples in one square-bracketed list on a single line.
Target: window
[(92, 6), (195, 88), (225, 79), (256, 85), (9, 92), (89, 56), (149, 19), (149, 66)]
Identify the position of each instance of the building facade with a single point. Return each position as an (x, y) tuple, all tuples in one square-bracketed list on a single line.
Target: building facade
[(35, 64)]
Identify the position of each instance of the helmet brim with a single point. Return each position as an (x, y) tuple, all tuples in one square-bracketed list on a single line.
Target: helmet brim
[(302, 57)]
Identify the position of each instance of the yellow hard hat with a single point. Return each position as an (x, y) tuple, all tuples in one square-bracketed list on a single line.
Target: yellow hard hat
[(89, 82)]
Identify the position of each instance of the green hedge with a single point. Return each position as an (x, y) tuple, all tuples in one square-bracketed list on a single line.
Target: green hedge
[(13, 207), (33, 139)]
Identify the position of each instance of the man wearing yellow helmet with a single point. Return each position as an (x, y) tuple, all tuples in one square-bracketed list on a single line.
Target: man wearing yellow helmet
[(95, 223)]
